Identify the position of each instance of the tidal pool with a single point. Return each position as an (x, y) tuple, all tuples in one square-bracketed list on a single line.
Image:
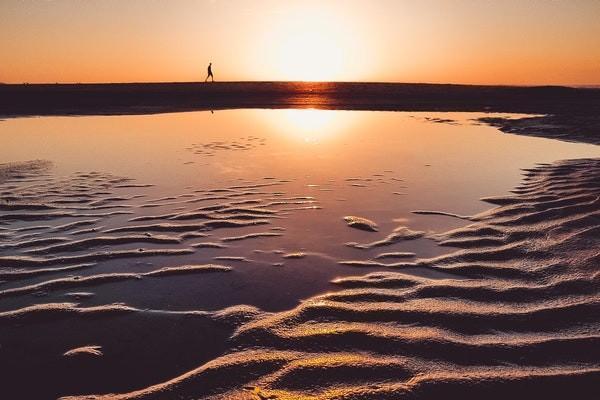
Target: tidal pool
[(264, 192)]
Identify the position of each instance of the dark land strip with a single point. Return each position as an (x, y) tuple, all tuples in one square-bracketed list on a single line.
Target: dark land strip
[(561, 112)]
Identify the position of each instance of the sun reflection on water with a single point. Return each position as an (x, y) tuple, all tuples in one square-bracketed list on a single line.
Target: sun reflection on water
[(310, 125)]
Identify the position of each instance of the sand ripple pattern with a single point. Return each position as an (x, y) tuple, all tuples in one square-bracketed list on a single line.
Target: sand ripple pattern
[(58, 226), (521, 319)]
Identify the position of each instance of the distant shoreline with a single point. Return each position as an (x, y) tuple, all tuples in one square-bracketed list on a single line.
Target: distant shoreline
[(574, 112), (134, 98)]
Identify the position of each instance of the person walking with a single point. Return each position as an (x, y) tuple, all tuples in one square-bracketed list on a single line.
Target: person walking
[(210, 74)]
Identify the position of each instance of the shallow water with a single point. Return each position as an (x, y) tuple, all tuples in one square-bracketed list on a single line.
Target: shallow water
[(295, 173)]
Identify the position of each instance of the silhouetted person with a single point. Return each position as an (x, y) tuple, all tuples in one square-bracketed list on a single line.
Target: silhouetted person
[(210, 74)]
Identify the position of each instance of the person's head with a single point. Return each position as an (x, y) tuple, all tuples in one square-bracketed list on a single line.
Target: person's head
[(209, 63)]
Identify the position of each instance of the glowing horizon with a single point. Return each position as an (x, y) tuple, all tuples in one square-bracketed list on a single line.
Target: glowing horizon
[(467, 41)]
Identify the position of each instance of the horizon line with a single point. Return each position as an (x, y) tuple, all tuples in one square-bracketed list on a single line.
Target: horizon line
[(532, 85)]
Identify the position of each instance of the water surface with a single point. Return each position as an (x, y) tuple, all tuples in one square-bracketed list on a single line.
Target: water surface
[(296, 172)]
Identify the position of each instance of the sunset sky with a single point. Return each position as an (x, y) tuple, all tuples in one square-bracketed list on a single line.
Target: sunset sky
[(456, 41)]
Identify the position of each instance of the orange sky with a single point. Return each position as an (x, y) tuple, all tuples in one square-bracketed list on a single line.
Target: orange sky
[(458, 41)]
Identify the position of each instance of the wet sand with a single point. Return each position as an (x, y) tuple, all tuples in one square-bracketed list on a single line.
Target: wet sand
[(282, 285)]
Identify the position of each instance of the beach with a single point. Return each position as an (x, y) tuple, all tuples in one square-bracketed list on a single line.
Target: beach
[(313, 252), (299, 200)]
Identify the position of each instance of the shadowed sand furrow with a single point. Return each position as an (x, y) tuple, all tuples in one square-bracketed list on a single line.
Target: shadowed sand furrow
[(104, 241), (34, 242), (231, 315), (442, 213), (53, 310), (188, 269), (458, 316), (57, 214), (399, 234), (481, 291), (13, 274), (204, 226), (392, 339), (77, 281), (25, 206), (32, 262), (250, 236), (75, 224), (65, 283), (395, 254), (390, 280)]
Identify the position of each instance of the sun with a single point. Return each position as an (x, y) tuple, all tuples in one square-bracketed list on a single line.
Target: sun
[(310, 56), (311, 46)]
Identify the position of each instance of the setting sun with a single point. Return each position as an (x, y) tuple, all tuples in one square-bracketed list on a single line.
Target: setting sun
[(310, 47)]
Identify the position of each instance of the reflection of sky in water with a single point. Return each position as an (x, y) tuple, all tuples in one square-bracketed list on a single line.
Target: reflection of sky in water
[(377, 165), (444, 166)]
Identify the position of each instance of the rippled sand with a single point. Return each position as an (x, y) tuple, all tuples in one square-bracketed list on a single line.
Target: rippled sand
[(516, 310)]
